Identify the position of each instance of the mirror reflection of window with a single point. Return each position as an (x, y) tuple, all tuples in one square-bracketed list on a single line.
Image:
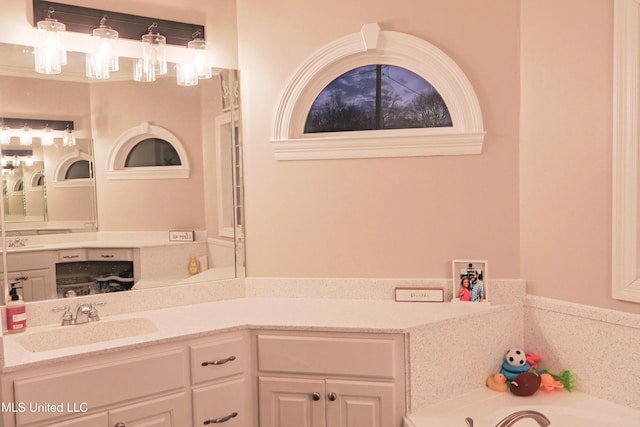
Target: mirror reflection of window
[(19, 186), (80, 169), (152, 152), (38, 179), (376, 97)]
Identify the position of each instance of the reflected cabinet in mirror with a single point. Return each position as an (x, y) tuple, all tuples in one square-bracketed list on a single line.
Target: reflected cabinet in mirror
[(148, 194)]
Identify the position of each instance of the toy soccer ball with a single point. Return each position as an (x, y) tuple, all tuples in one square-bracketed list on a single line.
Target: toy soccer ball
[(515, 357)]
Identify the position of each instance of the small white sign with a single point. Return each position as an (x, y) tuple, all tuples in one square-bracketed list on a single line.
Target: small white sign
[(419, 294), (181, 236)]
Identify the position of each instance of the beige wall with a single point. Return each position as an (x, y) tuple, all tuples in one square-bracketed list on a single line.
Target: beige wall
[(566, 150), (540, 208), (396, 217)]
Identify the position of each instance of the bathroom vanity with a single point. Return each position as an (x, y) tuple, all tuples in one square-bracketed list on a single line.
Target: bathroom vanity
[(241, 362)]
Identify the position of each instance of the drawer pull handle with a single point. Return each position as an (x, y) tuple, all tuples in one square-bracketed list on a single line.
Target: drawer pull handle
[(119, 425), (315, 396), (332, 396), (219, 361), (71, 257), (107, 255), (221, 420)]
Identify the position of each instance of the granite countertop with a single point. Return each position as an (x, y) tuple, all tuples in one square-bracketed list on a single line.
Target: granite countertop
[(191, 321)]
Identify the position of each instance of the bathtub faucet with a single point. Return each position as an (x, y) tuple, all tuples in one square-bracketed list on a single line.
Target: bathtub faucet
[(511, 419)]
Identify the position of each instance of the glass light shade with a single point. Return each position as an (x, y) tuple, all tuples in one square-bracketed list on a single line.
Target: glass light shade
[(186, 75), (50, 53), (5, 138), (154, 53), (28, 162), (68, 139), (15, 161), (46, 139), (142, 74), (198, 47), (103, 60), (25, 137)]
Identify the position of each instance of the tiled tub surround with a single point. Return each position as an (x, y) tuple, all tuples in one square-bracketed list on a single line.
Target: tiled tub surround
[(602, 347)]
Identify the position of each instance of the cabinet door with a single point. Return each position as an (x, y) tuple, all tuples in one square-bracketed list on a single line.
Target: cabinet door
[(360, 404), (166, 411), (291, 402), (37, 286)]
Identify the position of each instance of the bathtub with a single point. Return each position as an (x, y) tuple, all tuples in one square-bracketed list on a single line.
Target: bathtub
[(487, 408)]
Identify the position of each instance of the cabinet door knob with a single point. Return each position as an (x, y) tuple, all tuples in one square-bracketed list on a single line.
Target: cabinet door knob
[(332, 396), (315, 396)]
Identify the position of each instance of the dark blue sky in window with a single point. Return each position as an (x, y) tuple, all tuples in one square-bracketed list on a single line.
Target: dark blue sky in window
[(377, 97), (358, 86)]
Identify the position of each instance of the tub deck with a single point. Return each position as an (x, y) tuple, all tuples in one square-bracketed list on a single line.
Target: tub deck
[(487, 408)]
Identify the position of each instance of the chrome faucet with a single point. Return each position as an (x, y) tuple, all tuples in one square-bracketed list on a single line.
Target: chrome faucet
[(511, 419), (85, 313)]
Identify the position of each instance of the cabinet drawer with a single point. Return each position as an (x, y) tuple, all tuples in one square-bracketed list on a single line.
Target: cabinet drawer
[(110, 254), (362, 357), (217, 359), (72, 255), (224, 403), (102, 385), (170, 411)]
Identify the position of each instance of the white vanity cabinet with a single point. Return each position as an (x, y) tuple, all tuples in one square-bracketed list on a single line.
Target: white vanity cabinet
[(195, 382), (330, 380), (38, 273)]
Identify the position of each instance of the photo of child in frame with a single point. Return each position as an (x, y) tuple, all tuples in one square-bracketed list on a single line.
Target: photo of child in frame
[(469, 280)]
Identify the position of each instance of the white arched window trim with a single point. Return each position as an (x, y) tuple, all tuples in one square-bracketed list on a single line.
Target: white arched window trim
[(127, 140), (626, 146), (61, 170), (372, 46)]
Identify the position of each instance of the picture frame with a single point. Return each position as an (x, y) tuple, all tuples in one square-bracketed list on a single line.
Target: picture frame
[(477, 274)]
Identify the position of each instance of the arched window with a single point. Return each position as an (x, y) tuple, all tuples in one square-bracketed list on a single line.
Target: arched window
[(152, 152), (373, 97), (373, 48), (147, 151), (80, 169)]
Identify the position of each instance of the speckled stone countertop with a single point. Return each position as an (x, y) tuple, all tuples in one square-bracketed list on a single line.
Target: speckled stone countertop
[(190, 321)]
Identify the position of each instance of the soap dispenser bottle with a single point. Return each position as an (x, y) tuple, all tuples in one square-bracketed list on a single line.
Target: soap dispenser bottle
[(16, 311)]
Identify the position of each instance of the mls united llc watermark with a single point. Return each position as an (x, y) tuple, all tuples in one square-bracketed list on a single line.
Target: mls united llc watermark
[(66, 407)]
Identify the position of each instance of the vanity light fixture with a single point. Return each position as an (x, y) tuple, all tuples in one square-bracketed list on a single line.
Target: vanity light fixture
[(152, 62), (25, 136), (197, 66), (154, 55), (50, 53), (46, 139), (103, 60), (68, 138)]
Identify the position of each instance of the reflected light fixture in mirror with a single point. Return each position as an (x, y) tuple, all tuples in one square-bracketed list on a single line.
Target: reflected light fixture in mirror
[(50, 53), (103, 60), (25, 137), (26, 129)]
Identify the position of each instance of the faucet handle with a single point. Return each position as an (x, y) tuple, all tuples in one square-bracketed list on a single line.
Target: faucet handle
[(94, 316), (67, 317)]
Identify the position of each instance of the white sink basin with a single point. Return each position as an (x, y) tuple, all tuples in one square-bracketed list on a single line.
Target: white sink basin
[(88, 333)]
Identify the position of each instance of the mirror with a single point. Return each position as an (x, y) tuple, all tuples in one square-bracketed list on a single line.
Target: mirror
[(132, 209)]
